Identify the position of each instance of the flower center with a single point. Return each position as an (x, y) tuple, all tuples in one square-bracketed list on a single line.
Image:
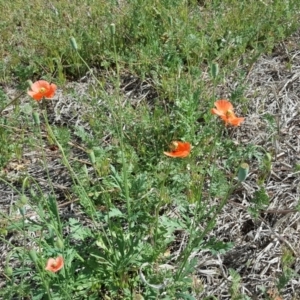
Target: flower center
[(174, 146), (229, 113), (42, 90), (54, 265)]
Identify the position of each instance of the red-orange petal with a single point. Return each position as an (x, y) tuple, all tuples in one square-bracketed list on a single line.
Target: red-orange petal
[(35, 95), (52, 89), (236, 121), (36, 86), (42, 89), (223, 106), (232, 120), (181, 149), (54, 264), (180, 154), (214, 111)]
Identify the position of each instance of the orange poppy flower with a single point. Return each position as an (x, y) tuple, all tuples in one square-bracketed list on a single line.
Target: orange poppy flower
[(55, 264), (179, 149), (224, 109), (42, 89)]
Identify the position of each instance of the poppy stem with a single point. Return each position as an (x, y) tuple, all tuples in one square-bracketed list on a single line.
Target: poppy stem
[(119, 126), (11, 102)]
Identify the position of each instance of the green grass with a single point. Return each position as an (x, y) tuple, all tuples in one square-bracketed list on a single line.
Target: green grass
[(152, 38), (133, 202)]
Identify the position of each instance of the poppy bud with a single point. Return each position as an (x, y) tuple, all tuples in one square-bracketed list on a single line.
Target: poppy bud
[(3, 232), (138, 297), (112, 28), (30, 83), (92, 157), (59, 243), (243, 171), (8, 271), (23, 200), (22, 211), (73, 43), (36, 118), (32, 255), (214, 70)]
